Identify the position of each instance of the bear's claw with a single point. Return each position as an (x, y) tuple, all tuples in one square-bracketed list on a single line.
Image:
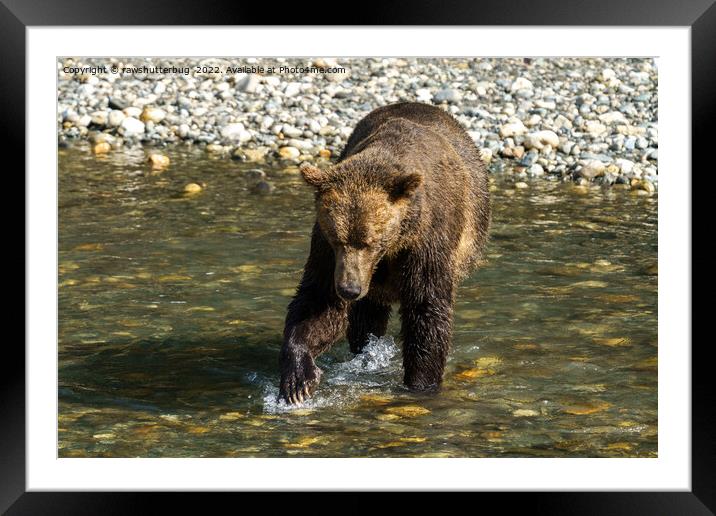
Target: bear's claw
[(299, 382)]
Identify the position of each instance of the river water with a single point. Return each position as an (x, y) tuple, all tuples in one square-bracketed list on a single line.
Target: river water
[(171, 309)]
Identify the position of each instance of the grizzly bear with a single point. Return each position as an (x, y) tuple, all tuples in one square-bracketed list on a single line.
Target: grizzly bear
[(400, 218)]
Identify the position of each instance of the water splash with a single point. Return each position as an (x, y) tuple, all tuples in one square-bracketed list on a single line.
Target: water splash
[(344, 382), (376, 356)]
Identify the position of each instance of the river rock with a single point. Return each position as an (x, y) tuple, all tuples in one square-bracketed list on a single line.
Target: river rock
[(131, 127), (133, 111), (235, 132), (424, 95), (521, 83), (152, 114), (115, 118), (192, 188), (289, 152), (645, 185), (291, 132), (612, 117), (515, 128), (101, 148), (99, 118), (536, 170), (263, 188), (592, 168), (448, 95), (595, 128), (158, 161), (540, 139), (292, 89)]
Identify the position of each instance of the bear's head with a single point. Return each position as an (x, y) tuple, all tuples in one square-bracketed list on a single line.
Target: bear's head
[(360, 211)]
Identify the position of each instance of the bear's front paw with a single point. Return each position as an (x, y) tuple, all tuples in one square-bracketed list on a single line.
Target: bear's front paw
[(299, 378)]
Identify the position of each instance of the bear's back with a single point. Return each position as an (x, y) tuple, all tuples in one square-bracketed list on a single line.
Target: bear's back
[(425, 115)]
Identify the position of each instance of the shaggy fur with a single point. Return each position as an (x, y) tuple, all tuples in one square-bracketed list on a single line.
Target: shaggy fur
[(401, 218)]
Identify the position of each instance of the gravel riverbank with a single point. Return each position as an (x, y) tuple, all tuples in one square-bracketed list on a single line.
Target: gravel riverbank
[(587, 120)]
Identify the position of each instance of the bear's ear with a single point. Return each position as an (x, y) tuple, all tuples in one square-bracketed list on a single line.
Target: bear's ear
[(404, 186), (314, 176)]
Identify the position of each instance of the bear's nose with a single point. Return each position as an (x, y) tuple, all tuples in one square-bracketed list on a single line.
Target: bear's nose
[(349, 291)]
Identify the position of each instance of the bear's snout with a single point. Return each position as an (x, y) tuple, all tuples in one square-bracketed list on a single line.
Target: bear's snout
[(353, 272), (348, 291)]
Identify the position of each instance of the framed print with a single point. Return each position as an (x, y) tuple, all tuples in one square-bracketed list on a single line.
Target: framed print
[(420, 256)]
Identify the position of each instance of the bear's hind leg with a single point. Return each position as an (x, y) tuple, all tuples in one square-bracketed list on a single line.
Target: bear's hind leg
[(426, 313), (364, 317)]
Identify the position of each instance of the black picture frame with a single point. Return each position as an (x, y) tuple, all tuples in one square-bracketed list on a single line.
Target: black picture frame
[(17, 15)]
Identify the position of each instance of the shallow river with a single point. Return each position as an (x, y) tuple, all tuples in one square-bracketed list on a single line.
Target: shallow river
[(171, 311)]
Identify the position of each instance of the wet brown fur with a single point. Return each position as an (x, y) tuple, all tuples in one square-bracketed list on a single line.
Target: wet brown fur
[(403, 215)]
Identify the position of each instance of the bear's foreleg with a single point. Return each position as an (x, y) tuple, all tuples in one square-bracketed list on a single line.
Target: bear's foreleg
[(316, 319), (364, 317), (426, 311), (313, 324)]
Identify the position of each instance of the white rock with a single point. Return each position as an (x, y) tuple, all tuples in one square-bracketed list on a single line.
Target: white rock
[(248, 84), (613, 117), (183, 130), (266, 122), (153, 114), (448, 95), (99, 118), (236, 132), (540, 139), (115, 117), (536, 170), (639, 77), (625, 166), (546, 104), (515, 128), (424, 95), (608, 74), (533, 120), (521, 84), (291, 131), (133, 111), (272, 80), (592, 168), (85, 90), (292, 89), (595, 128), (300, 144), (481, 88), (289, 152), (130, 126), (561, 121), (70, 115)]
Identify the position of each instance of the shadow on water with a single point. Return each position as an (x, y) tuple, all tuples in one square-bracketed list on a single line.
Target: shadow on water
[(170, 374)]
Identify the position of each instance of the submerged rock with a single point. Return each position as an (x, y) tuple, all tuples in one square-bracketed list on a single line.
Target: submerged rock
[(158, 161), (193, 188), (263, 188)]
